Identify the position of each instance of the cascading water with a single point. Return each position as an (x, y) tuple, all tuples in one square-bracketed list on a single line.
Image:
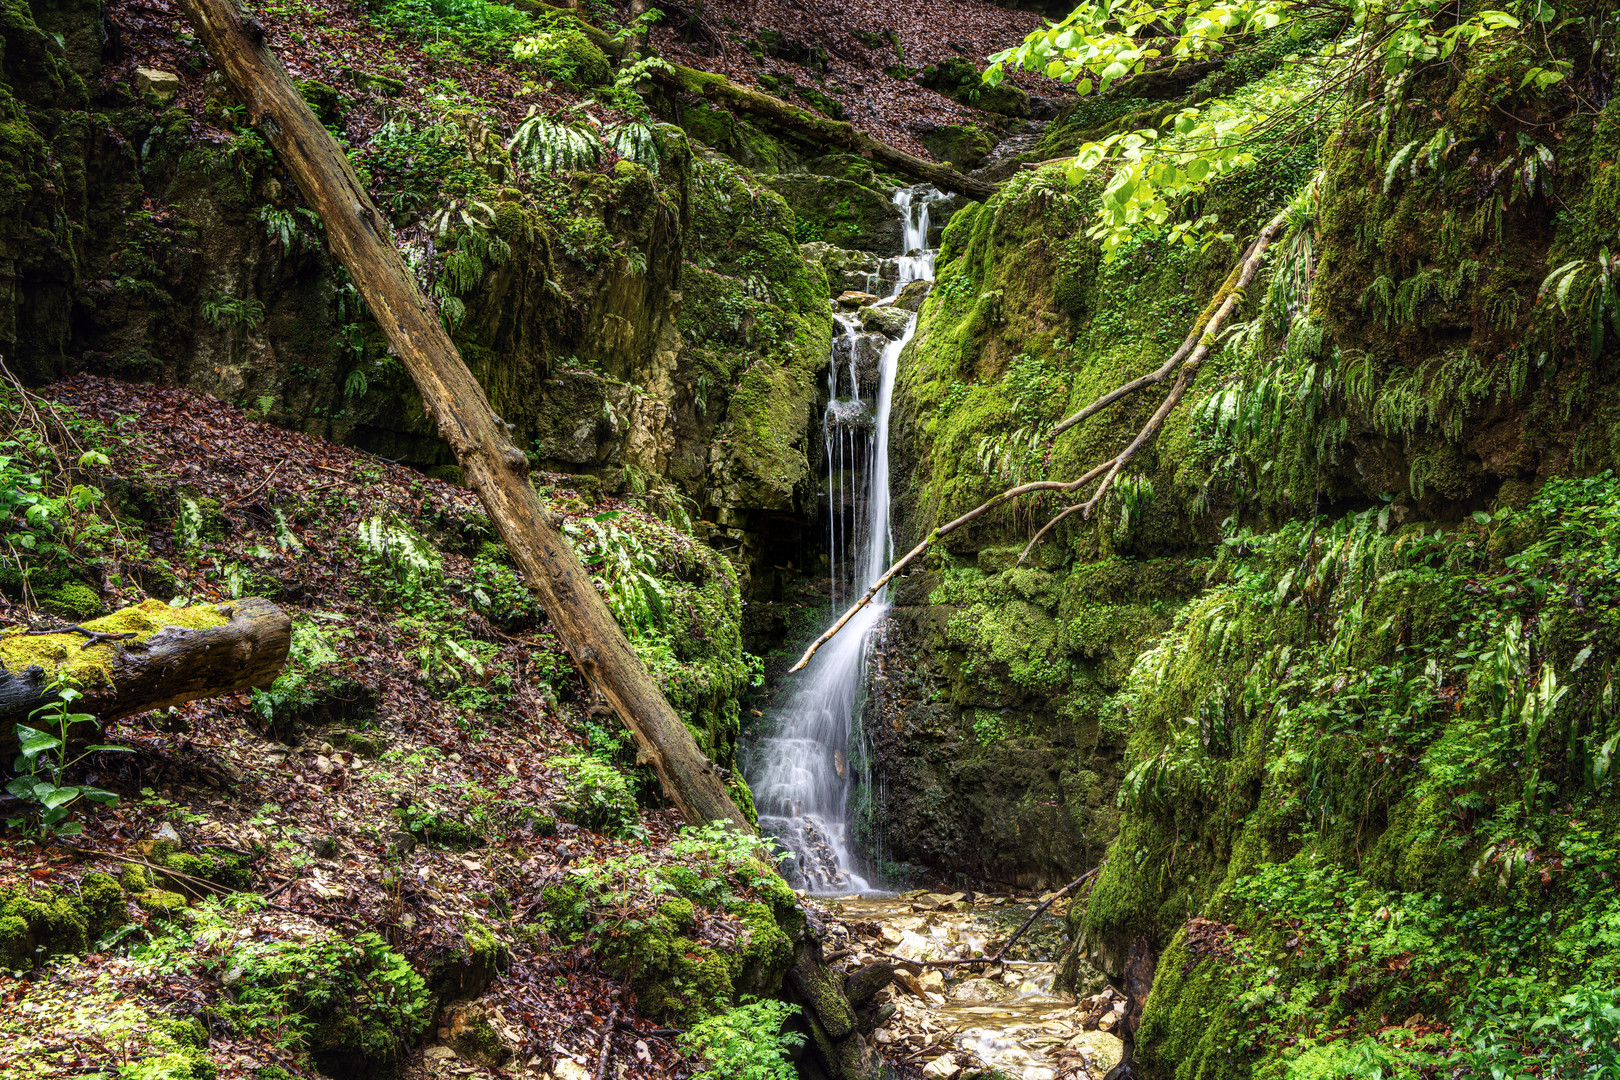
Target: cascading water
[(800, 774)]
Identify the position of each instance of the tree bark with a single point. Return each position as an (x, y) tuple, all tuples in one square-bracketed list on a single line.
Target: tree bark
[(170, 666), (498, 471)]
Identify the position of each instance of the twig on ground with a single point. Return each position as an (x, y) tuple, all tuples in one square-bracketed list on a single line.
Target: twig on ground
[(607, 1044)]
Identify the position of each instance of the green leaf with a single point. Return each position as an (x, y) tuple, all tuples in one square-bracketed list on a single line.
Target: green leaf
[(109, 748), (61, 796)]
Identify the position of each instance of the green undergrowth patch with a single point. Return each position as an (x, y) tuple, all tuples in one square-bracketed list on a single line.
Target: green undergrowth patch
[(347, 1006), (1369, 784), (694, 932)]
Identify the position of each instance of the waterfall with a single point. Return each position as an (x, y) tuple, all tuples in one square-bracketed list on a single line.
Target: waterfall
[(800, 773)]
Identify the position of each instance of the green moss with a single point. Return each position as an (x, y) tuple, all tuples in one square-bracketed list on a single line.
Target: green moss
[(62, 655), (161, 904), (74, 601), (221, 867), (38, 923)]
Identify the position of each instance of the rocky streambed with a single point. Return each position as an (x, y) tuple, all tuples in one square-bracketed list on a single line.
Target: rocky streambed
[(966, 1021)]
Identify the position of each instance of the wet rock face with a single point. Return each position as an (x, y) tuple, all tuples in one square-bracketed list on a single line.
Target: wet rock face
[(840, 212)]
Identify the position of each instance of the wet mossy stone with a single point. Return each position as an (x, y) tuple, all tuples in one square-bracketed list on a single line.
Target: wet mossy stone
[(840, 212)]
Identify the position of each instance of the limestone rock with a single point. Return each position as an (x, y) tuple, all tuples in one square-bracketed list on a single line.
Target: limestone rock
[(161, 85), (932, 981), (981, 992), (1102, 1051), (942, 1068), (885, 319), (852, 298), (568, 1069)]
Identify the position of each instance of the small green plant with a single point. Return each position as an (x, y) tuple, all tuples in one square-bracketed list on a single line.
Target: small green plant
[(746, 1043), (541, 144), (245, 311), (401, 565), (304, 679), (598, 797), (43, 763)]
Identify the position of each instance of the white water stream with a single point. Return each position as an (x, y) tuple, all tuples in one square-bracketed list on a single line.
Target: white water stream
[(800, 773)]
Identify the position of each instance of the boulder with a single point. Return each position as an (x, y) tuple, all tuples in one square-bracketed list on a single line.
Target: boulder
[(963, 145), (981, 992), (162, 86), (941, 1068), (891, 321), (912, 296), (853, 299), (840, 212), (1101, 1051)]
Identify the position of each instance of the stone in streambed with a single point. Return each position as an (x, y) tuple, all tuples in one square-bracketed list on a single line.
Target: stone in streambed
[(981, 992), (852, 298), (1102, 1051), (885, 319), (941, 1068), (913, 294)]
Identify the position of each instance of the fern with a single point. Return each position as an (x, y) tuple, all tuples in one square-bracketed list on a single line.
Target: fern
[(543, 145)]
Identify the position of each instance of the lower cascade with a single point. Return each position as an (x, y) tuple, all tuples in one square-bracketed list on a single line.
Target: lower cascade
[(801, 773)]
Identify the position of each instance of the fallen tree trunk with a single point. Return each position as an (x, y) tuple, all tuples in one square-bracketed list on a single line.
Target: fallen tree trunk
[(803, 122), (145, 657), (363, 242), (819, 129)]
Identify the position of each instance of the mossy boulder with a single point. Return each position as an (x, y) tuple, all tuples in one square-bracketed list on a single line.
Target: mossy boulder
[(959, 80), (41, 922), (963, 145), (840, 212)]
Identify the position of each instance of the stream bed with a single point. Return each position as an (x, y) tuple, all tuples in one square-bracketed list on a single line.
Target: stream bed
[(971, 1021)]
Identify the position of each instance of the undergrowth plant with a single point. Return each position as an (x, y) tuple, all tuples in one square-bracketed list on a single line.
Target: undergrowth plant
[(45, 757), (746, 1043)]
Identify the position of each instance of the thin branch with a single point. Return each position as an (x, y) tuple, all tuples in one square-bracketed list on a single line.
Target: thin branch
[(1236, 280), (1191, 354)]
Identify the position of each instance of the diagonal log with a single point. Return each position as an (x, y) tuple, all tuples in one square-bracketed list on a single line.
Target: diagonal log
[(363, 242)]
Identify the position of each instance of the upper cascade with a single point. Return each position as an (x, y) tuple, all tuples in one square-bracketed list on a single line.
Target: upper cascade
[(801, 774)]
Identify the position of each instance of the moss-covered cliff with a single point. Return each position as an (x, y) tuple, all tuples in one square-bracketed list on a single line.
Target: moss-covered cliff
[(1336, 650)]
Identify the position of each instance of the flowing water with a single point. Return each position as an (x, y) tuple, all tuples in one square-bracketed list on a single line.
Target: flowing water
[(801, 774), (1008, 1017)]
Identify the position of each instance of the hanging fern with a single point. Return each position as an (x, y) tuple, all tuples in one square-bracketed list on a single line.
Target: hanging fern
[(633, 142), (540, 144)]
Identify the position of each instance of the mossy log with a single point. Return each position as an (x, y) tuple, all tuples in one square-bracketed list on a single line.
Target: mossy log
[(169, 656), (363, 242), (802, 122)]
